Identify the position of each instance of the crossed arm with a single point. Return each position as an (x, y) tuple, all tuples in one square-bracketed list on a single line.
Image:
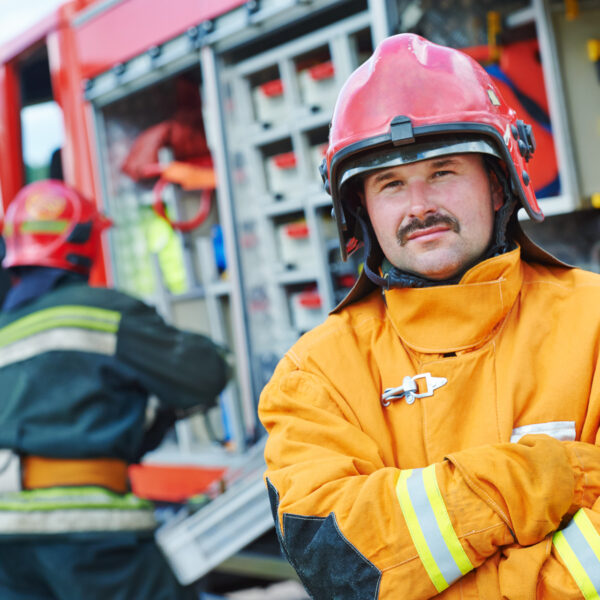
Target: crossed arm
[(347, 521)]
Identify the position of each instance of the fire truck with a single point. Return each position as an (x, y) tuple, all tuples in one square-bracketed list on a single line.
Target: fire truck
[(198, 127)]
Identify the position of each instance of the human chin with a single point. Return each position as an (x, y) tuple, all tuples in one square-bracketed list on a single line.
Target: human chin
[(436, 265)]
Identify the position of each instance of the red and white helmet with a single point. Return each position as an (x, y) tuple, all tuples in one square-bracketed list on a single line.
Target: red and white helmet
[(414, 100), (50, 224)]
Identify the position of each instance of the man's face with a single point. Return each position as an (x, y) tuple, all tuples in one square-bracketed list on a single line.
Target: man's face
[(434, 217)]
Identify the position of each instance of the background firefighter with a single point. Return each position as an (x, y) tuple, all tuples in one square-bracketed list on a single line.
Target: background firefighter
[(77, 367), (436, 435)]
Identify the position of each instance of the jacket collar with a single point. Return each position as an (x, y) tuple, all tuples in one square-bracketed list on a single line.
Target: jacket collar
[(33, 282), (530, 252), (451, 318)]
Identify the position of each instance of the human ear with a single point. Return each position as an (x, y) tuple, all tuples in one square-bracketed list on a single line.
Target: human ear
[(496, 191), (360, 192)]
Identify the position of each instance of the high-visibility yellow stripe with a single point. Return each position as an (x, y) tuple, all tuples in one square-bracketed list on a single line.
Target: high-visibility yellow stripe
[(416, 534), (584, 583), (101, 314), (443, 519), (56, 226), (589, 531), (47, 499), (84, 317)]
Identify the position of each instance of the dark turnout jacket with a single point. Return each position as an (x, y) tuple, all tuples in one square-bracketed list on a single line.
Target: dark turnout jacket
[(77, 367)]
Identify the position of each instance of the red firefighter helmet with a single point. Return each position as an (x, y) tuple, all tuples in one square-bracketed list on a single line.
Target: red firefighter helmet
[(414, 100), (50, 224)]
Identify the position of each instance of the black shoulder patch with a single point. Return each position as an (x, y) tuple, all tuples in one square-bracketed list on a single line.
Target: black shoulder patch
[(329, 566)]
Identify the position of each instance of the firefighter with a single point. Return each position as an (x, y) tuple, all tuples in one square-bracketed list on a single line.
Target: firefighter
[(436, 434), (77, 367)]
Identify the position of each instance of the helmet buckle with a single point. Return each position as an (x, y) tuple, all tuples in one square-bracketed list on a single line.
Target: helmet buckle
[(401, 131), (525, 140)]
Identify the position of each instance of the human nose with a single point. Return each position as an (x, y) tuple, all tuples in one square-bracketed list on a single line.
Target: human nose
[(420, 202)]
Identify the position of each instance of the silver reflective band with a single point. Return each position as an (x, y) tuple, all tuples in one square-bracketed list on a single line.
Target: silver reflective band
[(430, 527), (559, 430), (73, 509), (72, 520), (10, 471), (409, 388), (403, 155), (62, 338), (578, 544)]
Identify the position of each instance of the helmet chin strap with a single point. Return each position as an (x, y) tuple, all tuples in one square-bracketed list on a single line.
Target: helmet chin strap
[(397, 278)]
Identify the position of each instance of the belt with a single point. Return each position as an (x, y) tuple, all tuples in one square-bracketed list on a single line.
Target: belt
[(43, 472)]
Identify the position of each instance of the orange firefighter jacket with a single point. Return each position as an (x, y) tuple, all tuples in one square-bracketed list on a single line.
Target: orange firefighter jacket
[(478, 480)]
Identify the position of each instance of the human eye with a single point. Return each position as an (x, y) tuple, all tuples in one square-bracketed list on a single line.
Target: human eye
[(392, 184)]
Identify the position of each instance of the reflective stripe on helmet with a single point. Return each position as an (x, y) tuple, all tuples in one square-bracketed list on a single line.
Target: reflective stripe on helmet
[(410, 153), (430, 528), (57, 226), (578, 545)]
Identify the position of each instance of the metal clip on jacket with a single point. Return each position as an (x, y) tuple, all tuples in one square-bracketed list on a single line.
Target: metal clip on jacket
[(409, 389)]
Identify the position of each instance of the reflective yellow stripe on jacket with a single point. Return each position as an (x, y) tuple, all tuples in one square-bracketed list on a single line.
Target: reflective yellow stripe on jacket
[(430, 527), (67, 328), (579, 546)]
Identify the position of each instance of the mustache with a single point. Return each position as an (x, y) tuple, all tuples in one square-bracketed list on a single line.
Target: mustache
[(429, 221)]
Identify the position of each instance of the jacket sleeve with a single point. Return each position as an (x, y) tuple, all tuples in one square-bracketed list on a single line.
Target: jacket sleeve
[(564, 566), (353, 527), (183, 369)]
